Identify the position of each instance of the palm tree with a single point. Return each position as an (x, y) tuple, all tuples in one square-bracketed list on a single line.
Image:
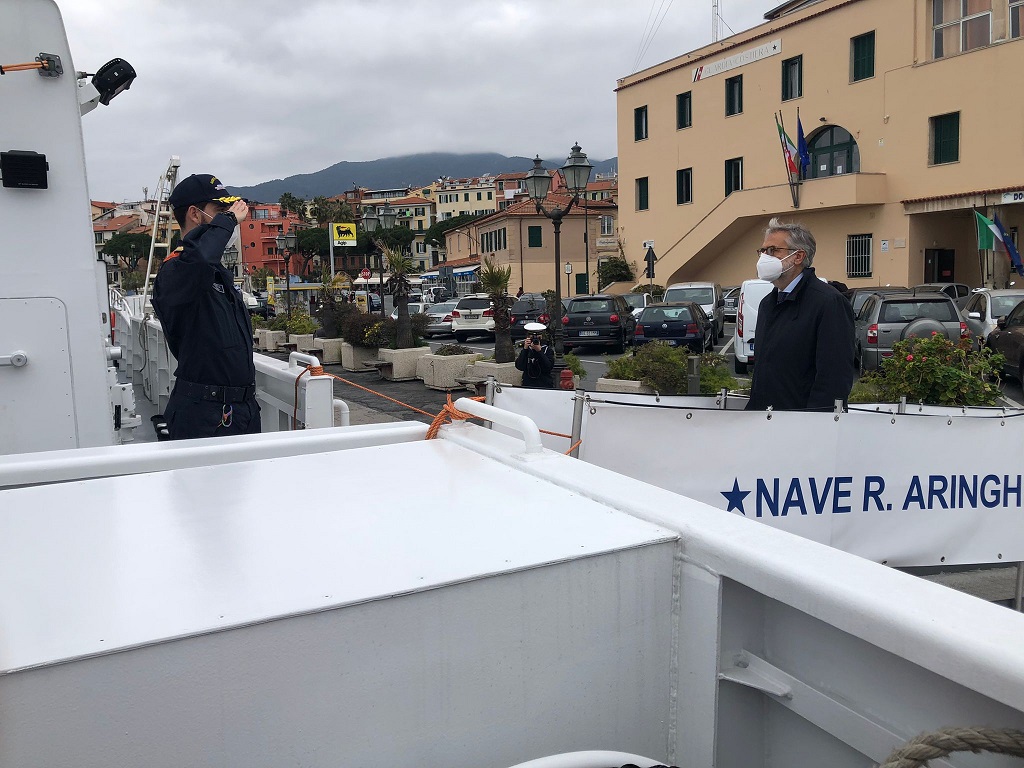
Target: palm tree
[(401, 267), (494, 280)]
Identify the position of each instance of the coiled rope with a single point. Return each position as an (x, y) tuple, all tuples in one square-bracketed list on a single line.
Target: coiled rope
[(935, 744)]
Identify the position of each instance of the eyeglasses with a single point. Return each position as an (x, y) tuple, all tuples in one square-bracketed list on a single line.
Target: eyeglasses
[(771, 249)]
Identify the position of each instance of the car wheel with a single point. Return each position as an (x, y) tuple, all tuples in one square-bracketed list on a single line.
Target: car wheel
[(462, 338), (739, 367)]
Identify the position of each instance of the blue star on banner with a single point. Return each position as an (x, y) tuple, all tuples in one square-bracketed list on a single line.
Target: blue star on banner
[(735, 497)]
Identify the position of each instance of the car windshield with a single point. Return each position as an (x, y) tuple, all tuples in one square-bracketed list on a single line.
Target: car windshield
[(474, 303), (905, 311), (661, 314), (523, 306), (699, 295), (591, 305), (635, 300), (442, 309), (1003, 305)]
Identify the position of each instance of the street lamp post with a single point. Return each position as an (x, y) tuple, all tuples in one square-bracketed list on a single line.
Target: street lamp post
[(371, 222), (538, 183), (231, 260), (286, 244)]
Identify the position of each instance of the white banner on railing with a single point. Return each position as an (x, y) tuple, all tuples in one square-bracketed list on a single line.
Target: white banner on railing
[(903, 490)]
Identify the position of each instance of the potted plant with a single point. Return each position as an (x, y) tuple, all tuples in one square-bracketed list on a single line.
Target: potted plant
[(443, 368), (660, 367), (356, 349)]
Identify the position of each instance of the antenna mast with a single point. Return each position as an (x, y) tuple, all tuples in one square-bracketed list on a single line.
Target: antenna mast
[(714, 21)]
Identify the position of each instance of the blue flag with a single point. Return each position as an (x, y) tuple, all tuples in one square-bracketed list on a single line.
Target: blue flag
[(801, 147), (1011, 250)]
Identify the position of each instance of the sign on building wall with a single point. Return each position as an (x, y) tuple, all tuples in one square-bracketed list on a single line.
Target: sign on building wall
[(1013, 197), (705, 71)]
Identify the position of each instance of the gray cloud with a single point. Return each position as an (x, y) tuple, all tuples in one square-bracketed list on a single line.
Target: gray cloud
[(265, 89)]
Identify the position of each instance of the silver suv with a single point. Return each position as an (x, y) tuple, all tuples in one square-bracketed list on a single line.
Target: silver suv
[(887, 318), (473, 316)]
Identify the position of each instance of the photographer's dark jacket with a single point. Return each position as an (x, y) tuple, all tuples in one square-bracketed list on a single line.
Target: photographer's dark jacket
[(203, 315), (536, 366), (804, 348)]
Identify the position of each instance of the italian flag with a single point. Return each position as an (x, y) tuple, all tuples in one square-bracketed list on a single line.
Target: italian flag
[(788, 147), (992, 232)]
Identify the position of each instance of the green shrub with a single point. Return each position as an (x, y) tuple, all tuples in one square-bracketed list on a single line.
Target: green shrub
[(258, 322), (664, 368), (300, 323), (278, 322), (575, 365), (452, 349), (331, 314), (381, 333), (937, 371), (354, 326)]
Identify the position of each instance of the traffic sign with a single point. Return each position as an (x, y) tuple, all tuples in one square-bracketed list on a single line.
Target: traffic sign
[(344, 235), (650, 258), (365, 274)]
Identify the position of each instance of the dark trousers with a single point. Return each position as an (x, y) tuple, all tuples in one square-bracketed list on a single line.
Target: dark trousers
[(189, 417)]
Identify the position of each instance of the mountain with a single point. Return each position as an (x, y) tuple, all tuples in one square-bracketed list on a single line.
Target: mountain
[(392, 172)]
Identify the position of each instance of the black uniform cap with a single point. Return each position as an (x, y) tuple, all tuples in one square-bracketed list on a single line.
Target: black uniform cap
[(200, 188)]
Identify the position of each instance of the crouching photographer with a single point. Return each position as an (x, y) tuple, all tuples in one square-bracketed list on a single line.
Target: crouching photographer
[(537, 358)]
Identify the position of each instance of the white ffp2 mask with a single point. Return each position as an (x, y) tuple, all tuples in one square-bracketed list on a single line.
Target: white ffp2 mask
[(769, 268)]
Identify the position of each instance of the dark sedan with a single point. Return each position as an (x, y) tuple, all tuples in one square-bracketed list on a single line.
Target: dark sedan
[(529, 308), (682, 324), (1008, 340), (602, 319)]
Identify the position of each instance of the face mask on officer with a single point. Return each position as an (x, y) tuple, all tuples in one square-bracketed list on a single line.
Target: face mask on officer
[(770, 268)]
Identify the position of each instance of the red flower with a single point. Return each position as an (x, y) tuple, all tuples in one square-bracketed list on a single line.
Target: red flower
[(910, 357)]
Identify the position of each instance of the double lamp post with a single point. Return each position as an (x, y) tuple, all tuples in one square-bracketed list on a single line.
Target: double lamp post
[(286, 243), (576, 173), (371, 222)]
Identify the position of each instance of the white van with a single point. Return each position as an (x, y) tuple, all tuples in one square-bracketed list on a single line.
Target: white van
[(751, 293), (708, 295)]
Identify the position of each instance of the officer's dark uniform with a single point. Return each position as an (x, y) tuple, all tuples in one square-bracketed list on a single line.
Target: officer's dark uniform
[(207, 326)]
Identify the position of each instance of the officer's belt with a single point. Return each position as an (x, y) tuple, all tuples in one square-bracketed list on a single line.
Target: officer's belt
[(214, 392)]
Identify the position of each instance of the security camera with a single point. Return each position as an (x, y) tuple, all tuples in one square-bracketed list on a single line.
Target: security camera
[(113, 77)]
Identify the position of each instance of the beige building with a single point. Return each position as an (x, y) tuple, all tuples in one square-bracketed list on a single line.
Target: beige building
[(520, 237), (911, 116), (457, 197)]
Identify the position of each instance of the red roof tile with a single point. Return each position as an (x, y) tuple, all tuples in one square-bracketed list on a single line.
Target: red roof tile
[(975, 193)]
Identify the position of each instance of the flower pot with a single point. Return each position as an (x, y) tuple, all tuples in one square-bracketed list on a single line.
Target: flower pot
[(352, 358), (441, 371), (402, 362), (623, 385)]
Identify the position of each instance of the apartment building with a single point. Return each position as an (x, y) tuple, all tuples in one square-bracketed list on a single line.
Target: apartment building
[(911, 124), (458, 197), (523, 239), (259, 237)]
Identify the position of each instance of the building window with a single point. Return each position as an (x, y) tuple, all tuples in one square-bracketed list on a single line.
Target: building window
[(733, 175), (684, 109), (261, 213), (960, 25), (684, 186), (465, 197), (793, 78), (607, 225), (99, 238), (833, 152), (1016, 17), (479, 195), (862, 57), (533, 233), (640, 123), (642, 203), (858, 255), (945, 138), (421, 211), (490, 194), (733, 95)]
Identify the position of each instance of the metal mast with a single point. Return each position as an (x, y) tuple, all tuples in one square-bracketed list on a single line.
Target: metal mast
[(714, 21)]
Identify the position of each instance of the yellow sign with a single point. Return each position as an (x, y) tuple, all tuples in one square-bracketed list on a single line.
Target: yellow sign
[(344, 234)]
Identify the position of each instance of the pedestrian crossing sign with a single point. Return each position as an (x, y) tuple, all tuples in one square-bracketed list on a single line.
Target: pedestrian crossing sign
[(344, 234)]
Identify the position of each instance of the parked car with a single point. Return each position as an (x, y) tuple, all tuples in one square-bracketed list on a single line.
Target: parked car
[(857, 296), (708, 295), (732, 302), (415, 308), (1008, 340), (985, 307), (436, 293), (887, 318), (257, 305), (439, 319), (638, 301), (529, 308), (958, 292), (599, 319), (473, 316), (683, 324), (751, 293)]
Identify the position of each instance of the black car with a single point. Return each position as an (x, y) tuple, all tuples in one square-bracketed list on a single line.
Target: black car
[(529, 308), (600, 319), (857, 296), (1008, 340), (683, 323)]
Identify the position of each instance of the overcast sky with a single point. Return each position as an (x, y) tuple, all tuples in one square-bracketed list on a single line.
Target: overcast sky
[(253, 90)]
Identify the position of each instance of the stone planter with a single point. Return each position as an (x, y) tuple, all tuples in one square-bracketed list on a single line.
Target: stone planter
[(272, 340), (503, 373), (402, 362), (302, 341), (623, 385), (352, 358), (441, 371), (329, 349)]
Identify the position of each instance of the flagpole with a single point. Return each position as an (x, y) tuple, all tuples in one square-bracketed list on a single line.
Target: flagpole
[(793, 183), (782, 144)]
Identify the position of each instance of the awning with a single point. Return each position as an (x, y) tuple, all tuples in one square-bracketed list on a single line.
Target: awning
[(430, 275), (466, 270)]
